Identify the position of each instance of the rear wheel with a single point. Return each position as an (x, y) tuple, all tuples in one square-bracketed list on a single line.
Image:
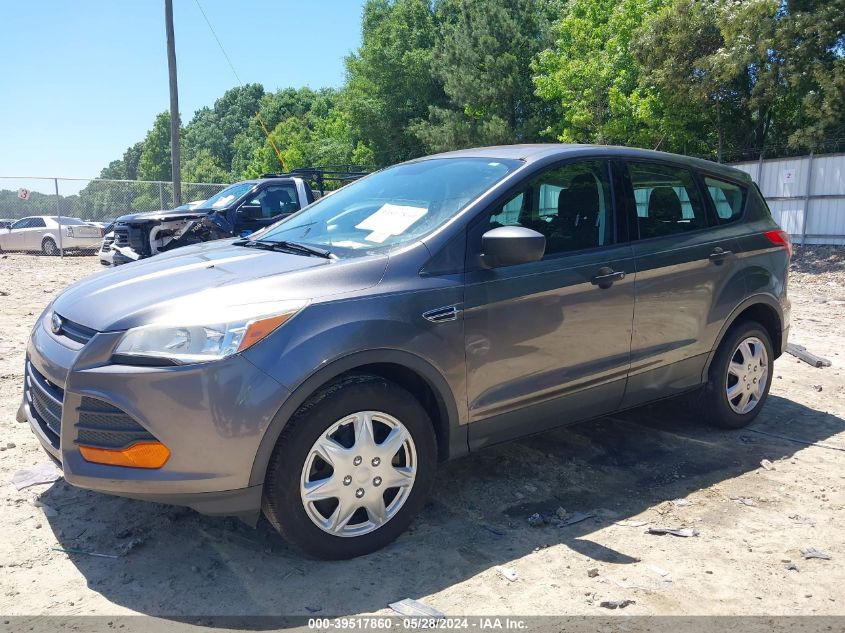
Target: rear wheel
[(351, 469), (740, 377), (48, 247)]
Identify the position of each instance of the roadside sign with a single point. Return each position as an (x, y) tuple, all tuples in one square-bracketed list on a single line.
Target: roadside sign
[(23, 194)]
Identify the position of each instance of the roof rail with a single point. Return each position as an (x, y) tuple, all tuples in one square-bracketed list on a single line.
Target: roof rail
[(321, 175)]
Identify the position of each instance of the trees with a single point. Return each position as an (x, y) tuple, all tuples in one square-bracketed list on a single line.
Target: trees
[(592, 77), (154, 163), (483, 60), (390, 84), (722, 78)]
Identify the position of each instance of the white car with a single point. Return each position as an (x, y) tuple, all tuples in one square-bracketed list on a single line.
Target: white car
[(42, 233)]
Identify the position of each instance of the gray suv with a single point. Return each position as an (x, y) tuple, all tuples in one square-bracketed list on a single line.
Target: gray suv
[(320, 369)]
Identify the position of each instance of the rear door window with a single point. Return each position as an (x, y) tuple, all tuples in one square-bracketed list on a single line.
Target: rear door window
[(728, 199), (36, 223), (667, 200)]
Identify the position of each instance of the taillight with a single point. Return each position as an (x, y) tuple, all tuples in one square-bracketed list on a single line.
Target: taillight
[(780, 238)]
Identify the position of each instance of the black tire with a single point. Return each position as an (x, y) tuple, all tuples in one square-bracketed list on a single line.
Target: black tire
[(283, 504), (48, 247), (715, 407)]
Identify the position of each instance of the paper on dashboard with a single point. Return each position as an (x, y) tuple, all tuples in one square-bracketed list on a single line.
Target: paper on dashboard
[(390, 219)]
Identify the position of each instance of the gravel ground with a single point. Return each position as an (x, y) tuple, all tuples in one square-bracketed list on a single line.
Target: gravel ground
[(650, 467)]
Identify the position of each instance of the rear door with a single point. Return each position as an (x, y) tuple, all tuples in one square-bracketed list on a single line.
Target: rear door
[(687, 276), (548, 342)]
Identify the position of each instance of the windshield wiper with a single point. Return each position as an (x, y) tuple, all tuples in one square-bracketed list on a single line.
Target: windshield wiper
[(292, 247)]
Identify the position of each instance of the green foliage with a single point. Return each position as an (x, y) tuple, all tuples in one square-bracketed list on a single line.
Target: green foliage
[(390, 83), (725, 78), (154, 163), (483, 60), (592, 78)]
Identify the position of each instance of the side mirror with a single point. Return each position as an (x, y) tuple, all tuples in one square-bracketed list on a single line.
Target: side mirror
[(511, 245)]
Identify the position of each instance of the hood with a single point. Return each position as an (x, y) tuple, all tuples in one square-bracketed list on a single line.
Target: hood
[(213, 273), (160, 215)]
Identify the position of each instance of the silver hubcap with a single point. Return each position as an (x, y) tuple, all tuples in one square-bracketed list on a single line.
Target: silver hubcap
[(748, 374), (358, 474)]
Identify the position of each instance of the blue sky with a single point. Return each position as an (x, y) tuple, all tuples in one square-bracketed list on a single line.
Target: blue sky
[(83, 79)]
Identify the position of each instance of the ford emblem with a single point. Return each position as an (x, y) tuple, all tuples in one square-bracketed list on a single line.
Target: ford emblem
[(56, 323)]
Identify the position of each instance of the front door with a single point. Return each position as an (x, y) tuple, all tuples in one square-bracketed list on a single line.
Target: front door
[(687, 271), (548, 342), (269, 205), (35, 232)]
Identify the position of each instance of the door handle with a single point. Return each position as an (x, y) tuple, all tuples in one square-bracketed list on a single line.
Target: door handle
[(606, 276), (719, 254)]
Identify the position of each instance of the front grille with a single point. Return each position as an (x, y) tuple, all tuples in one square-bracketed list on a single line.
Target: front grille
[(45, 403), (121, 236), (105, 426), (76, 332)]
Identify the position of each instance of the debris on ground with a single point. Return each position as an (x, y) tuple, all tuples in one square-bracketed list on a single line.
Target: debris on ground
[(800, 352), (313, 609), (765, 463), (616, 604), (746, 501), (658, 570), (576, 517), (630, 523), (536, 520), (130, 545), (679, 503), (593, 572), (492, 530), (790, 566), (506, 572), (48, 511), (812, 552), (45, 473), (73, 550), (684, 532), (797, 441), (407, 606), (818, 388)]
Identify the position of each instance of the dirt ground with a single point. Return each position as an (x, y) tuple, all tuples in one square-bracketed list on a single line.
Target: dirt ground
[(650, 467)]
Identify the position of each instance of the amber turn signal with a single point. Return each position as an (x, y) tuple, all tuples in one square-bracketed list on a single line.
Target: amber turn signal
[(260, 328), (139, 455)]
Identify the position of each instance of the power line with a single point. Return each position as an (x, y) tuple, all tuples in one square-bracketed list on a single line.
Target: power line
[(235, 73), (219, 43)]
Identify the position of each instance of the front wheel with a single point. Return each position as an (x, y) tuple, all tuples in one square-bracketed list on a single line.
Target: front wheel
[(740, 377), (49, 248), (351, 469)]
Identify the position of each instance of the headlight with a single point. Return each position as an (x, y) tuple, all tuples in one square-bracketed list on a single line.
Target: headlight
[(201, 343)]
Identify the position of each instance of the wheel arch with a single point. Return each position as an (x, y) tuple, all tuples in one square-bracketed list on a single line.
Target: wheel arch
[(762, 308), (407, 370)]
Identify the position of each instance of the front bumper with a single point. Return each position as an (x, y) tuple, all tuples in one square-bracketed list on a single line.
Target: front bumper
[(211, 416)]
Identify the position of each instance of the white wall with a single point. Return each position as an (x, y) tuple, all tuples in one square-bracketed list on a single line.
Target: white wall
[(819, 216)]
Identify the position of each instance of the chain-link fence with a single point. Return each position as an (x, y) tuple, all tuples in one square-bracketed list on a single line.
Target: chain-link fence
[(69, 215)]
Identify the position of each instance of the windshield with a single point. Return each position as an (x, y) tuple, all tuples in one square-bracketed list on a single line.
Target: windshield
[(227, 196), (397, 205)]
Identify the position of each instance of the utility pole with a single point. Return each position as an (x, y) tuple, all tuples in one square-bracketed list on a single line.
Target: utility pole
[(175, 168)]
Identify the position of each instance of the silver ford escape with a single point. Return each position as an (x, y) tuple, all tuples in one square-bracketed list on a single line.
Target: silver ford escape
[(321, 368)]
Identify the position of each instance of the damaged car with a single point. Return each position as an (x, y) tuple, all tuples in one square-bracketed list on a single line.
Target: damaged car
[(238, 210)]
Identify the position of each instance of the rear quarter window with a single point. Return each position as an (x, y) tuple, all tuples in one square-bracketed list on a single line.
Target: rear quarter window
[(728, 199)]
